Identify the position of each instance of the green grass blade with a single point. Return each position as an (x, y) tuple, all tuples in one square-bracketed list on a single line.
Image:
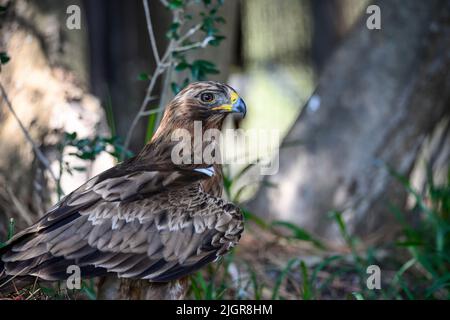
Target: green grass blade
[(151, 123), (307, 292), (281, 277), (299, 233)]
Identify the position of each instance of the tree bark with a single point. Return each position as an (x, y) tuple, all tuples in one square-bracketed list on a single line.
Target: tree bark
[(46, 82), (119, 52), (380, 96)]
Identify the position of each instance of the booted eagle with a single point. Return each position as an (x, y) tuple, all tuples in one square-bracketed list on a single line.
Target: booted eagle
[(146, 218)]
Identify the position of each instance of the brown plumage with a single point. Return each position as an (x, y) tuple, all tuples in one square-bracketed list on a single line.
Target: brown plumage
[(146, 218)]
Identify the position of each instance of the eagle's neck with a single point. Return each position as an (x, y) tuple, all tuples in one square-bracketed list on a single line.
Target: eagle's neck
[(169, 134), (159, 150)]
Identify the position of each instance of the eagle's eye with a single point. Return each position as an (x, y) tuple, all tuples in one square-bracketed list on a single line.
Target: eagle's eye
[(207, 97)]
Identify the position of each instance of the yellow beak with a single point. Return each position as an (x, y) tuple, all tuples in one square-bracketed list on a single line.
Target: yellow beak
[(237, 105)]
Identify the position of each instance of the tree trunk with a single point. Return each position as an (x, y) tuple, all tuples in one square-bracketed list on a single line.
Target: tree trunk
[(119, 52), (46, 82), (380, 96)]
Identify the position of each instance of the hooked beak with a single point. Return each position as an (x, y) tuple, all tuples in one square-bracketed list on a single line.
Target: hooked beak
[(237, 105)]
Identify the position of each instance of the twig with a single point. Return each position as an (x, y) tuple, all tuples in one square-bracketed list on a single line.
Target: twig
[(20, 208), (147, 99), (39, 155), (190, 32), (163, 100), (150, 112), (150, 31), (33, 293), (165, 3), (163, 64), (200, 44)]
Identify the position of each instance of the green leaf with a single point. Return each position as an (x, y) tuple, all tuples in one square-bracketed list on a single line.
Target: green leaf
[(439, 284), (175, 88), (143, 76), (217, 40), (403, 269), (195, 287), (182, 66), (326, 262), (200, 68), (175, 4), (70, 136), (227, 182), (150, 127), (48, 291), (173, 31), (307, 292), (248, 216), (282, 276), (257, 288), (358, 295), (11, 227), (208, 26), (4, 58), (89, 291), (298, 233), (220, 20)]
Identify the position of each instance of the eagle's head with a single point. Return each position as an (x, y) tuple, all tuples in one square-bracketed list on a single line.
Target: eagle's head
[(207, 101)]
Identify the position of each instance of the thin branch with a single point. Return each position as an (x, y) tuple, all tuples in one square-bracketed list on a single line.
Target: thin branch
[(162, 64), (160, 68), (200, 44), (190, 32), (23, 212), (39, 155), (142, 108), (150, 31), (164, 94), (164, 3), (150, 112)]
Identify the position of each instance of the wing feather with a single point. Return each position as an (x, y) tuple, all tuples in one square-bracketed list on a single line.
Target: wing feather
[(108, 225)]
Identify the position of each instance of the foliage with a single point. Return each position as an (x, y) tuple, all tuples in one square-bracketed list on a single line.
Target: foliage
[(11, 228), (207, 23), (198, 69), (4, 58), (87, 149), (414, 265)]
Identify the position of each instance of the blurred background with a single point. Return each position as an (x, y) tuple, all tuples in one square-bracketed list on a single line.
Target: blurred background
[(363, 116)]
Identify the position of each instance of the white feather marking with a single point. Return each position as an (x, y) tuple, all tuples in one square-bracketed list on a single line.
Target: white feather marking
[(114, 223), (208, 171)]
